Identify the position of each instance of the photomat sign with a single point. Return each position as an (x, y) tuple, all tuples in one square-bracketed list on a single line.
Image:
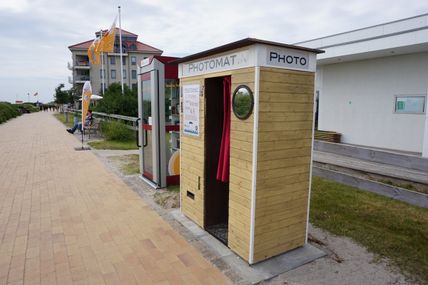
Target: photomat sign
[(215, 64)]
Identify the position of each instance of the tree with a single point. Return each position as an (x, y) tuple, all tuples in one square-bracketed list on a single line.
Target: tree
[(61, 96), (114, 102), (74, 94)]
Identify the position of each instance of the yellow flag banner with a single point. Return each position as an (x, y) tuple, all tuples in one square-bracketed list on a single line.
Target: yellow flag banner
[(107, 40), (93, 53), (86, 99)]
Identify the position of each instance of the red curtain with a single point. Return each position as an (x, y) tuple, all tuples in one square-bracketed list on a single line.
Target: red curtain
[(223, 160)]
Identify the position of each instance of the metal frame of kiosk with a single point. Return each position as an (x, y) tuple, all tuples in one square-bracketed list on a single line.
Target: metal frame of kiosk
[(158, 120)]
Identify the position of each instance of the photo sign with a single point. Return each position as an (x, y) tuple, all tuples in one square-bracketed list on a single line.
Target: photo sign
[(288, 58), (191, 109)]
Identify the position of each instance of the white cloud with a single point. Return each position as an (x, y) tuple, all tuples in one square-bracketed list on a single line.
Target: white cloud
[(36, 34), (15, 6)]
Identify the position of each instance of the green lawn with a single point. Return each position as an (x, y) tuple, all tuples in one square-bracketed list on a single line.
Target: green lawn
[(173, 188), (60, 117), (386, 227), (118, 145), (104, 144)]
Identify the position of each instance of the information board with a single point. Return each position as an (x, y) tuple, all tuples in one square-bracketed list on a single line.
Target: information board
[(191, 109)]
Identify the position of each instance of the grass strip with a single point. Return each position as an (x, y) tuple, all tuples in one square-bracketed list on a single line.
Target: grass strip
[(61, 118), (116, 145), (386, 227)]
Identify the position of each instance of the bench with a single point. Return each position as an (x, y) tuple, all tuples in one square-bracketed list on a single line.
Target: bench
[(95, 126)]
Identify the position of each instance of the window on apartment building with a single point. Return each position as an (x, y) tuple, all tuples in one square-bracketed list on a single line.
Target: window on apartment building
[(134, 86), (112, 60), (102, 73), (410, 104), (134, 74), (113, 74), (124, 60), (133, 60), (124, 74)]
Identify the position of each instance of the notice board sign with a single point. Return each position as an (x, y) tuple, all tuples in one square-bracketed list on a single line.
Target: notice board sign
[(191, 109)]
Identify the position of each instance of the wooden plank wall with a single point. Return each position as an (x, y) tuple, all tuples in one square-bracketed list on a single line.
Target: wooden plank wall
[(192, 163), (192, 167), (283, 160), (241, 151)]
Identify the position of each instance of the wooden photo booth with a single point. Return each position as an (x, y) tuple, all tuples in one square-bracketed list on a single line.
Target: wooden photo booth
[(246, 132)]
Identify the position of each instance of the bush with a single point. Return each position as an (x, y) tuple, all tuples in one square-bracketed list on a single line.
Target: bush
[(30, 107), (116, 131), (7, 111), (114, 102), (26, 108)]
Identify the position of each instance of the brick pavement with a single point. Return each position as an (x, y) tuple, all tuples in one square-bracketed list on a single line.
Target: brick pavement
[(65, 219)]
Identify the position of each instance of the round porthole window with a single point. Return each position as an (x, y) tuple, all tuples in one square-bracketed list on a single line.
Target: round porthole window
[(242, 102)]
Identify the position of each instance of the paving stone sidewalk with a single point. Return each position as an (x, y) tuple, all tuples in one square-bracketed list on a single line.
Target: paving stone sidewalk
[(66, 219)]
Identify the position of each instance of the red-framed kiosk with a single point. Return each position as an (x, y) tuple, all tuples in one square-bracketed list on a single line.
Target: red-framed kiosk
[(159, 121)]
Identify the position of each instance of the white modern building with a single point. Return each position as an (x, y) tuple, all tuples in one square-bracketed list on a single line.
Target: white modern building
[(372, 85)]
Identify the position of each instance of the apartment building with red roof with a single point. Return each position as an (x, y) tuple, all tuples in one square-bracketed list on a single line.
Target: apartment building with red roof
[(133, 52)]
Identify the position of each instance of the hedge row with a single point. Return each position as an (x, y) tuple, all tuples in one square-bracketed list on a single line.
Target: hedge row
[(9, 111), (28, 108)]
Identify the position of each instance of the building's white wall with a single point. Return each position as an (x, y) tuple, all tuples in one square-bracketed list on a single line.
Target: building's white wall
[(357, 100), (402, 33), (425, 146)]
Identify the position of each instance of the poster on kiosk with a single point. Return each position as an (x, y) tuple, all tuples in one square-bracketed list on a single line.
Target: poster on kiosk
[(159, 121)]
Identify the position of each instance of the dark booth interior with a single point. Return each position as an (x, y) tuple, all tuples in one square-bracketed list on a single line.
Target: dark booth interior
[(216, 192)]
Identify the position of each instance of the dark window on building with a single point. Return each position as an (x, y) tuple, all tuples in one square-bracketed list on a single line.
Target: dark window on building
[(112, 60), (134, 74), (113, 74), (133, 60), (124, 60), (124, 74), (102, 73), (134, 86)]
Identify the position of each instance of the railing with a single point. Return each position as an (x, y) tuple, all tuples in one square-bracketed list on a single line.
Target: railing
[(130, 122), (82, 63), (77, 63), (82, 78)]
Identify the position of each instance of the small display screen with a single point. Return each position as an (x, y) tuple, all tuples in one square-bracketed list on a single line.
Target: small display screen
[(410, 104)]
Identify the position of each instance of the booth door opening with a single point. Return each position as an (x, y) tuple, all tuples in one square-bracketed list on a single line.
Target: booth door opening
[(150, 150), (216, 195)]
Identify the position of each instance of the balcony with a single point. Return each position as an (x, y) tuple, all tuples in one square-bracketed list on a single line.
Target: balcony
[(81, 78), (82, 64)]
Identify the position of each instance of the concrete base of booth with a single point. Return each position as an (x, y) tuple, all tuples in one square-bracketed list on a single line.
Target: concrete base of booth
[(235, 267)]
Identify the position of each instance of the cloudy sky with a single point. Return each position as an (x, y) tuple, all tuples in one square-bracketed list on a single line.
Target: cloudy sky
[(35, 34)]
